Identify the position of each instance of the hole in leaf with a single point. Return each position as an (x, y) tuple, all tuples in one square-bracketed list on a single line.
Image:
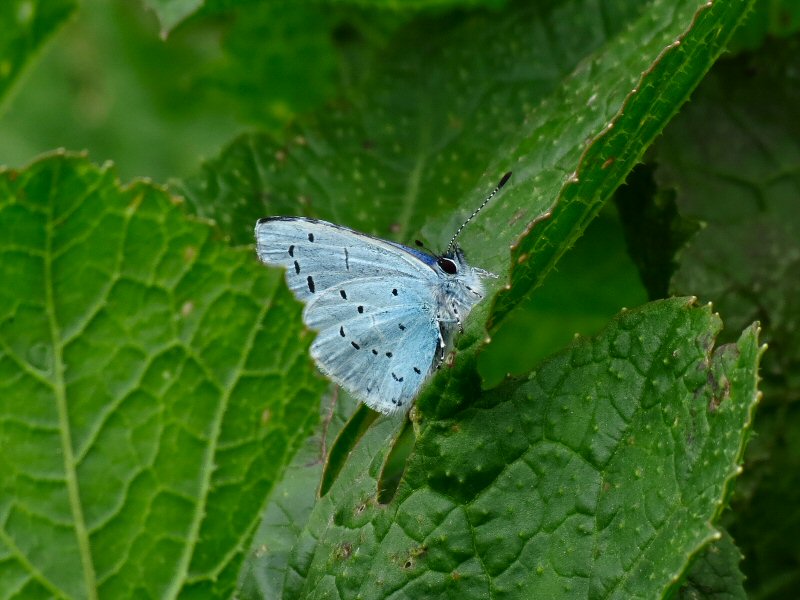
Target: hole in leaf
[(347, 439), (395, 464)]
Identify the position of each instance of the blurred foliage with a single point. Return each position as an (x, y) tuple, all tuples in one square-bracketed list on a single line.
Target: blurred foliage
[(131, 389), (26, 25)]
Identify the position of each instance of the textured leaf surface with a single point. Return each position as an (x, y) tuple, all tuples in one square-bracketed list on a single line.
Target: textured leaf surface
[(437, 123), (26, 25), (599, 476), (715, 575), (152, 386), (732, 159), (290, 505), (644, 101)]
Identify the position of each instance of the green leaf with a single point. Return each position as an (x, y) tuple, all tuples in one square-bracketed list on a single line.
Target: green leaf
[(732, 159), (413, 143), (290, 504), (602, 474), (653, 228), (594, 280), (452, 104), (26, 26), (153, 389), (715, 575), (741, 182), (661, 67)]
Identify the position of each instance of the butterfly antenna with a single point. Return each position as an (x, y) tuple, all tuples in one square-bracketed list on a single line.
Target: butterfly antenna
[(477, 210)]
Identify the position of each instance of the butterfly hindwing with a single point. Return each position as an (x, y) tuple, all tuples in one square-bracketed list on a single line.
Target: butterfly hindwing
[(378, 339)]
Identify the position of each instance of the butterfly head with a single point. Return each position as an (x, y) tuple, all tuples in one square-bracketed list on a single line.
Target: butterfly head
[(453, 265)]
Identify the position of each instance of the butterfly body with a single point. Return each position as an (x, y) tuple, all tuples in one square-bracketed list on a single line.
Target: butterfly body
[(384, 311)]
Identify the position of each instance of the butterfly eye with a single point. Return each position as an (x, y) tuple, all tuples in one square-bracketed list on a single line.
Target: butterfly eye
[(447, 265)]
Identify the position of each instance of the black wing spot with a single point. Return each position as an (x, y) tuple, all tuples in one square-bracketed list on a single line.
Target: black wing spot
[(310, 284), (360, 309), (394, 292), (356, 346), (375, 352), (388, 355), (402, 327), (291, 250), (310, 237), (343, 294), (346, 260), (341, 331), (417, 371), (396, 378), (297, 267)]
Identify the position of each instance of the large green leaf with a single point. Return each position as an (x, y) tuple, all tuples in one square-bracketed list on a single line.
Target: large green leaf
[(732, 161), (153, 390), (600, 475), (643, 104), (454, 103), (290, 504), (26, 25)]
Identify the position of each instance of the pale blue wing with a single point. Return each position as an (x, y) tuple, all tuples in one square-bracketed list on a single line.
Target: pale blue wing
[(378, 338), (372, 301), (318, 255)]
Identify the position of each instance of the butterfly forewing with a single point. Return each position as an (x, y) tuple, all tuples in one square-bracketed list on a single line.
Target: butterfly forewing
[(318, 255)]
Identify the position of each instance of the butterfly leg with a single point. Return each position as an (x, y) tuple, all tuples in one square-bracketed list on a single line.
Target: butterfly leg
[(457, 318), (442, 346)]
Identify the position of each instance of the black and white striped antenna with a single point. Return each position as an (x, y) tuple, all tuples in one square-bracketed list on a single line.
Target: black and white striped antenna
[(477, 210)]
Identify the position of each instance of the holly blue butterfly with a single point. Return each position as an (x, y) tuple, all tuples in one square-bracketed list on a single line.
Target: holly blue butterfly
[(384, 311)]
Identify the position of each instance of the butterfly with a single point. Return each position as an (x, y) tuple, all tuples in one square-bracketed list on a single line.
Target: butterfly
[(384, 311)]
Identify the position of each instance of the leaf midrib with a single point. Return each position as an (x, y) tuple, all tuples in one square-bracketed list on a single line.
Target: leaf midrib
[(59, 389)]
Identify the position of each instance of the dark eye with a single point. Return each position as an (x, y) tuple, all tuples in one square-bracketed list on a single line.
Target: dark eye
[(447, 265)]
